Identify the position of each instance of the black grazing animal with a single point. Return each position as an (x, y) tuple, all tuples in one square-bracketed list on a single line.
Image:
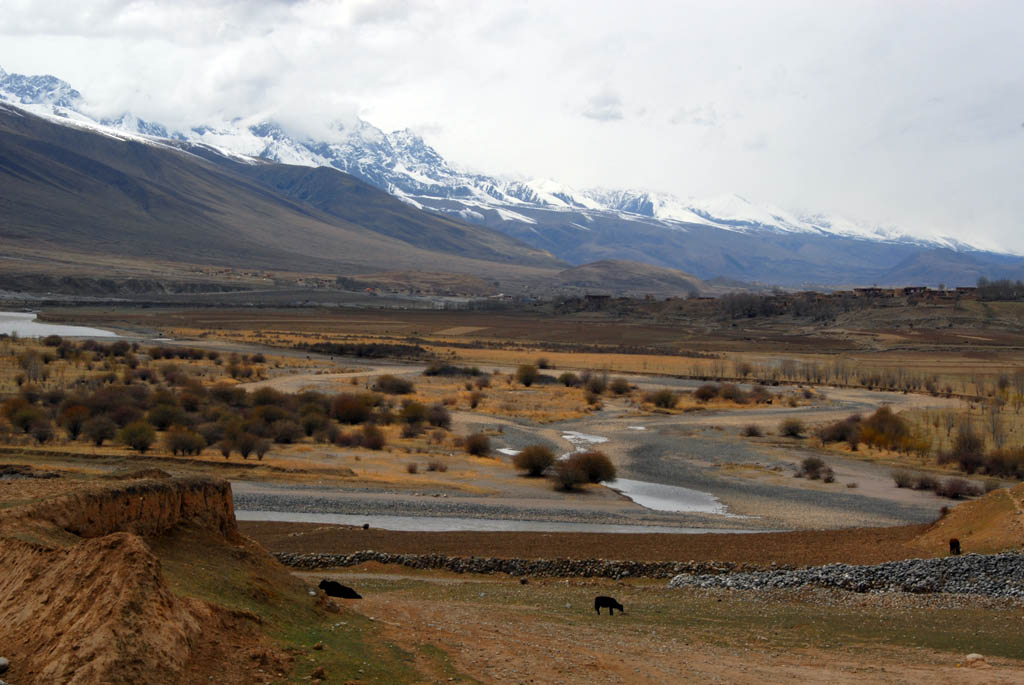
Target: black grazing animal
[(954, 546), (335, 589), (602, 602)]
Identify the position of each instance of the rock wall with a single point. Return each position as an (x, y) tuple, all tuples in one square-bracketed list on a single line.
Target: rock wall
[(561, 568)]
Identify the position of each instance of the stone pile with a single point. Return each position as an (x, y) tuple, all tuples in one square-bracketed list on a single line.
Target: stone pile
[(995, 575)]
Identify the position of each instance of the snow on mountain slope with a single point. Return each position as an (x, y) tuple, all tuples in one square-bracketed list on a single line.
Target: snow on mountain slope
[(404, 165)]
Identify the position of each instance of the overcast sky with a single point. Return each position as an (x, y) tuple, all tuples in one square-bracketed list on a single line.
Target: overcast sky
[(896, 113)]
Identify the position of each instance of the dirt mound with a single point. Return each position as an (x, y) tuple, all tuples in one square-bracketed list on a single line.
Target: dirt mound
[(84, 597), (993, 523), (97, 612)]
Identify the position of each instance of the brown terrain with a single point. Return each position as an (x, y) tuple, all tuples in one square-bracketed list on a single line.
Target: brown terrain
[(116, 574)]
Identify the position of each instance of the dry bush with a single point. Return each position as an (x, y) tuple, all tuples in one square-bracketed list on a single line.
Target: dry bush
[(846, 430), (436, 465), (664, 398), (619, 386), (438, 416), (138, 435), (474, 399), (568, 475), (477, 444), (968, 449), (411, 430), (903, 478), (791, 428), (595, 465), (286, 431), (597, 383), (925, 481), (527, 374), (179, 440), (812, 468), (706, 392), (733, 393), (752, 431), (570, 380), (1005, 463), (373, 438), (957, 488), (534, 459), (885, 430), (412, 467), (393, 385), (352, 409)]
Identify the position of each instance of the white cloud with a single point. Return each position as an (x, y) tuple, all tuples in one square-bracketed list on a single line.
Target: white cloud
[(903, 113), (603, 106)]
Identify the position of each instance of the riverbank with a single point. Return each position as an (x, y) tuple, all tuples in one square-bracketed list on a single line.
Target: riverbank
[(796, 548)]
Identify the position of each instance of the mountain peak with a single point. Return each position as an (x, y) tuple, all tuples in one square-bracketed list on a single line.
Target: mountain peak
[(39, 90)]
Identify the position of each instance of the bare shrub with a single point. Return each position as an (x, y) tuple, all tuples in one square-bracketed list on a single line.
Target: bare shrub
[(663, 399), (708, 391), (619, 386), (393, 385), (968, 449), (527, 374), (957, 488), (373, 438), (477, 444), (439, 417), (437, 465), (179, 440), (733, 393), (139, 436), (412, 467), (791, 428), (812, 467), (568, 475), (569, 380), (534, 459), (903, 478), (595, 465), (752, 431), (99, 428)]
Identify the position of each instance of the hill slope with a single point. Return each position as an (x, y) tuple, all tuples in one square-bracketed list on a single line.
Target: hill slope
[(74, 191)]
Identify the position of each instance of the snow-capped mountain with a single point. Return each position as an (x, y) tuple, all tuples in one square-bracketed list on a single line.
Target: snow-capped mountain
[(545, 213)]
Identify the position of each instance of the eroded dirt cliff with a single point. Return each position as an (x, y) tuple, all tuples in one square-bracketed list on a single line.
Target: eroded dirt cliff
[(83, 598)]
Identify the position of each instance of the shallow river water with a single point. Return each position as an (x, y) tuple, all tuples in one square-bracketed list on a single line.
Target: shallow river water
[(452, 523), (24, 325)]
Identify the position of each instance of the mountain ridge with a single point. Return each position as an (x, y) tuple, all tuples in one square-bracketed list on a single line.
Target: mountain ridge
[(694, 236)]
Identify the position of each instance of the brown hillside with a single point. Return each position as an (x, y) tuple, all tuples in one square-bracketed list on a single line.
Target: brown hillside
[(993, 523), (620, 277)]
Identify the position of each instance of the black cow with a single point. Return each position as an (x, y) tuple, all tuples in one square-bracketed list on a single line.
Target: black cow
[(609, 602), (335, 589), (954, 546)]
